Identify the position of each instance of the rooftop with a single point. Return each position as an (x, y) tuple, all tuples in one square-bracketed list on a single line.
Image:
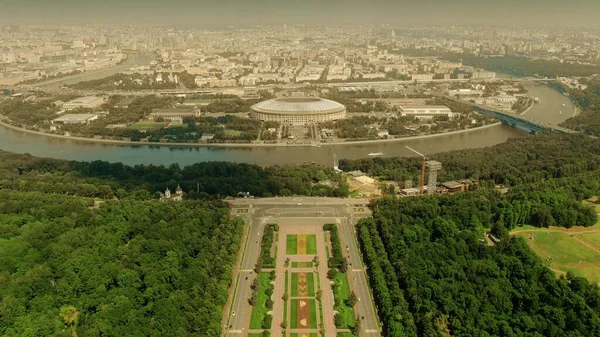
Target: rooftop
[(74, 117), (298, 104), (84, 100), (429, 107)]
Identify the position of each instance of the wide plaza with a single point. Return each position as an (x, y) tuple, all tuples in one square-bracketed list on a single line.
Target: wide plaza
[(302, 296)]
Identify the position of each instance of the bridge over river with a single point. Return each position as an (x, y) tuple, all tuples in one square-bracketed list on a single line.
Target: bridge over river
[(521, 122)]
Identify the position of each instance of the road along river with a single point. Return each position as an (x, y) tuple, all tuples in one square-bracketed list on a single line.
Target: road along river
[(548, 110)]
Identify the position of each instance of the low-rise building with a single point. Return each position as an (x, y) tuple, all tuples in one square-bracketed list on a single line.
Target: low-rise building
[(170, 114), (168, 196), (88, 102), (425, 111), (75, 119), (422, 77)]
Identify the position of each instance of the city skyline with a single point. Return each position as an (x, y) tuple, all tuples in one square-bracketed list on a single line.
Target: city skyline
[(236, 12)]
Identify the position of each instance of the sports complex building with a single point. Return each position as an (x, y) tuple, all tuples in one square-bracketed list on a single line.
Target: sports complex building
[(298, 110)]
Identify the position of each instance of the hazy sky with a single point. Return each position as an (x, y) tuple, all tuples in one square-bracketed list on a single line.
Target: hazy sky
[(243, 12)]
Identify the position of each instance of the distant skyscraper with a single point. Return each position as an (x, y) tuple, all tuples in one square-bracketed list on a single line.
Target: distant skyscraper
[(392, 32)]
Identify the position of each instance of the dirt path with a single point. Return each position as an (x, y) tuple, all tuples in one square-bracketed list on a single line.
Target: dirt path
[(587, 244), (554, 230)]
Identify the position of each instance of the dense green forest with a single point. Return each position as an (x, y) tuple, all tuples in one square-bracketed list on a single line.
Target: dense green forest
[(588, 100), (519, 160), (126, 268), (433, 275), (199, 181)]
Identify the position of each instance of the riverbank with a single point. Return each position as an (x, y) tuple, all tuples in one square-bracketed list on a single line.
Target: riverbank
[(238, 145)]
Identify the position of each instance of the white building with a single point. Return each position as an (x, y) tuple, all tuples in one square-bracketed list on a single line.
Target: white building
[(422, 77), (84, 102), (506, 99), (483, 75), (168, 196), (75, 119), (425, 111)]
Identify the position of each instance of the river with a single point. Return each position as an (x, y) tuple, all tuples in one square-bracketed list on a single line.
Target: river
[(16, 141), (133, 60)]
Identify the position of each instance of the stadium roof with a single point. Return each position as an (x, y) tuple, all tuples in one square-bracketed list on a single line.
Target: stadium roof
[(299, 105)]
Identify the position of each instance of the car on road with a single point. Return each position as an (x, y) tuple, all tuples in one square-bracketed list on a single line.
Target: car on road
[(318, 212), (233, 313)]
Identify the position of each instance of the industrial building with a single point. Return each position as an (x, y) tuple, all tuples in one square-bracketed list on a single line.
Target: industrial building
[(425, 111), (89, 102), (75, 119), (298, 110)]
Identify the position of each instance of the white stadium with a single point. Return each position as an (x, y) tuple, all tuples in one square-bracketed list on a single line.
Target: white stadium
[(298, 110)]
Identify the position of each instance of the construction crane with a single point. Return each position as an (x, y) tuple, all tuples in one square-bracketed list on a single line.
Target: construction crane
[(422, 167)]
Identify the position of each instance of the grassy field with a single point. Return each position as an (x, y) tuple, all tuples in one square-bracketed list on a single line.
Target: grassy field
[(305, 264), (291, 244), (311, 284), (294, 284), (148, 126), (313, 313), (311, 244), (345, 334), (342, 293), (575, 250), (232, 133), (260, 310), (293, 314), (285, 302)]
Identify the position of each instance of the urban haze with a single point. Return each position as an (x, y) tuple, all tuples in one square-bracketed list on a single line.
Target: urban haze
[(299, 168)]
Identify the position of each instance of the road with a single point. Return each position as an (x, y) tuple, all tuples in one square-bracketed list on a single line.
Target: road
[(239, 321), (277, 210), (357, 276)]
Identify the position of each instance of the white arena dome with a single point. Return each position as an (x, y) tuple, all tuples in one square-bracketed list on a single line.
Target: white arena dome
[(298, 110)]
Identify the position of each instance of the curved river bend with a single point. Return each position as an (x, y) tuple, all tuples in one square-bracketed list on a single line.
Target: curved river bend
[(42, 146)]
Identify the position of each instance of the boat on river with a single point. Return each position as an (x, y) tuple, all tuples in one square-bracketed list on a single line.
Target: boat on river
[(375, 154)]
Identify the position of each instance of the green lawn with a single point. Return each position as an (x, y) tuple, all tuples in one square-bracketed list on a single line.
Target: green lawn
[(260, 310), (565, 253), (306, 264), (148, 126), (311, 284), (311, 244), (232, 133), (293, 314), (285, 303), (312, 305), (345, 334), (342, 292), (291, 244), (294, 284)]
